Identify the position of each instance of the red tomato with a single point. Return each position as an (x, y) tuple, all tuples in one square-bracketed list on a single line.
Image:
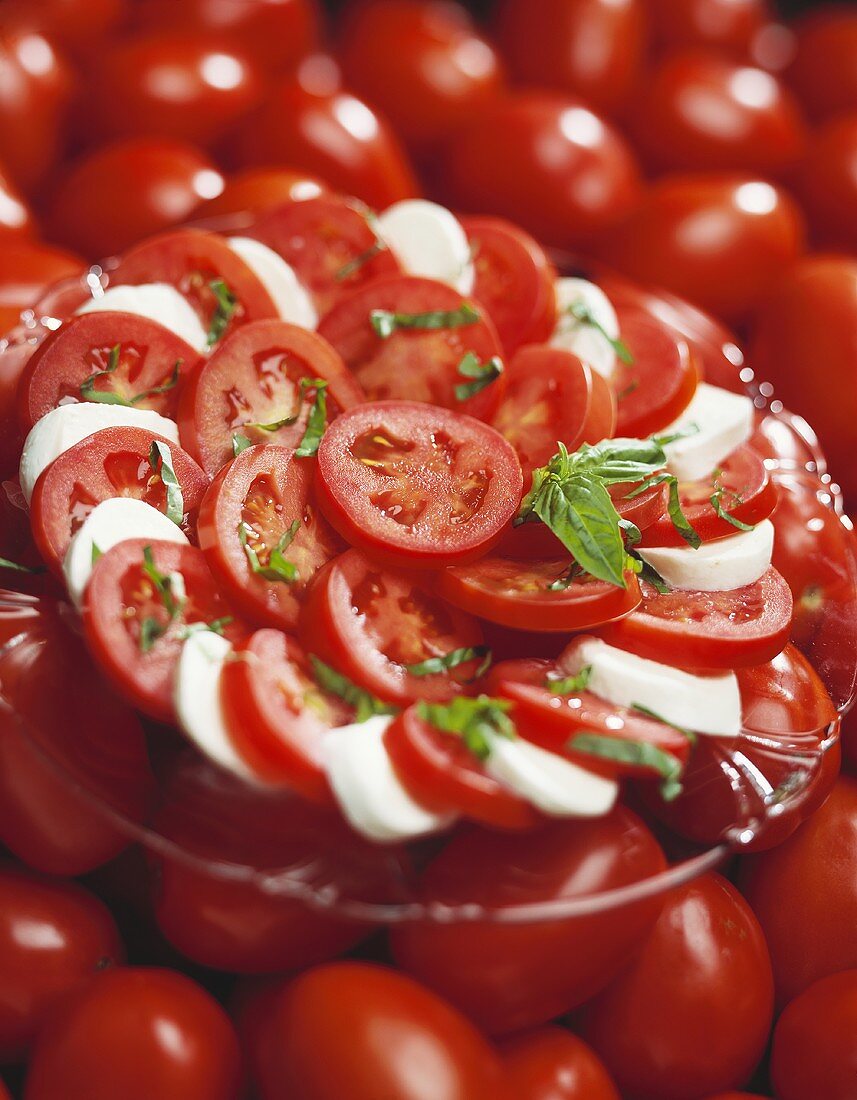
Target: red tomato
[(250, 510), (704, 971), (181, 85), (331, 244), (514, 280), (509, 976), (719, 240), (518, 594), (54, 935), (78, 25), (822, 71), (27, 270), (416, 485), (362, 1031), (814, 1052), (35, 90), (278, 715), (166, 1036), (373, 624), (114, 462), (258, 190), (147, 365), (423, 65), (16, 218), (591, 48), (810, 933), (545, 161), (310, 122), (827, 182), (807, 328), (254, 378), (700, 110), (729, 25), (442, 774), (121, 599), (419, 363), (553, 1064), (123, 192)]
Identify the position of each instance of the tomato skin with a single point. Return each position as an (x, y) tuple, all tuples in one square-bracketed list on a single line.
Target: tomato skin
[(703, 971), (822, 70), (258, 190), (27, 269), (424, 65), (591, 48), (827, 182), (729, 25), (545, 162), (167, 1037), (16, 218), (509, 976), (309, 121), (553, 1064), (813, 1052), (814, 869), (719, 240), (123, 192), (78, 937)]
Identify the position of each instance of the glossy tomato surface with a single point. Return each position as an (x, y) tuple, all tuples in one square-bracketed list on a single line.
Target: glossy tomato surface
[(823, 72), (16, 218), (27, 269), (729, 25), (827, 182), (256, 190), (553, 1064)]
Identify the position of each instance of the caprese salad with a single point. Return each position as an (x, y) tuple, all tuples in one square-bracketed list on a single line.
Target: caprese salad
[(382, 510)]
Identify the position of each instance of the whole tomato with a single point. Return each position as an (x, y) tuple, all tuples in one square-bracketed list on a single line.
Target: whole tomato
[(35, 91), (718, 240), (727, 25), (53, 935), (591, 48), (804, 894), (545, 161), (827, 183), (359, 1031), (805, 343), (256, 190), (124, 192), (814, 1052), (823, 71), (16, 218), (27, 269), (79, 26), (508, 975), (422, 64), (311, 123), (553, 1064), (137, 1034), (181, 86), (700, 110), (692, 1012)]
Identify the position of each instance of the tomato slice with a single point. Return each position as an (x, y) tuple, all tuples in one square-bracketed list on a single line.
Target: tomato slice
[(111, 463), (330, 243), (259, 497), (603, 411), (442, 774), (191, 260), (709, 630), (547, 400), (416, 485), (136, 360), (374, 624), (415, 364), (277, 714), (120, 601), (551, 720), (514, 281), (254, 378), (657, 386), (748, 494), (517, 594)]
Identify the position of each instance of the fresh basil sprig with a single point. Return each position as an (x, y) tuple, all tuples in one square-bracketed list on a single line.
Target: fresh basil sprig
[(637, 753), (719, 507), (583, 315), (316, 420), (482, 375), (240, 443), (279, 568), (475, 721), (365, 704), (16, 567), (385, 322), (170, 589), (434, 665), (225, 305), (161, 461), (109, 397), (569, 685)]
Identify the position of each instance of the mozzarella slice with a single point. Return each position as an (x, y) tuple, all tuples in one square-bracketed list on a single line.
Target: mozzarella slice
[(279, 279), (717, 566), (717, 422), (551, 783), (587, 341), (369, 793), (196, 697), (110, 522), (427, 239), (61, 428), (159, 302), (706, 704)]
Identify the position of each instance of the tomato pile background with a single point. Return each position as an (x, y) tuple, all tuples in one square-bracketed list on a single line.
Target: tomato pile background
[(700, 145)]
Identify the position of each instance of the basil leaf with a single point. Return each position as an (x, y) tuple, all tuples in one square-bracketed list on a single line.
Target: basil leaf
[(16, 567), (636, 753), (569, 685), (674, 437), (359, 261), (385, 323), (278, 569), (169, 586), (240, 443), (581, 514), (160, 459), (640, 709), (475, 721), (679, 519), (434, 665), (225, 305), (316, 422), (216, 626), (583, 315), (483, 374), (717, 504), (365, 704), (150, 631), (650, 575), (96, 553), (631, 531), (567, 579)]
